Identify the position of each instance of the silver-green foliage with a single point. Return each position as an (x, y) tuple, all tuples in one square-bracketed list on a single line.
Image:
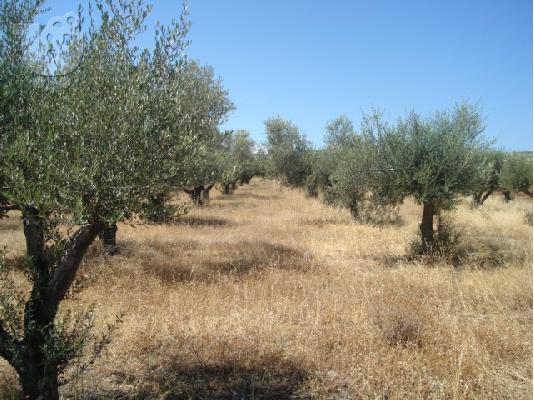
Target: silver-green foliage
[(81, 147), (287, 151), (516, 174), (434, 159), (356, 177)]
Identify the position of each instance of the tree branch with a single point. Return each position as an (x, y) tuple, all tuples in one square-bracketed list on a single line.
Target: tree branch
[(70, 261)]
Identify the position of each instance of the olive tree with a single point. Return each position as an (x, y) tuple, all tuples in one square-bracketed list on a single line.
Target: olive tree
[(200, 105), (490, 179), (287, 151), (228, 163), (243, 153), (516, 174), (206, 169), (357, 179), (433, 159), (79, 152), (322, 163)]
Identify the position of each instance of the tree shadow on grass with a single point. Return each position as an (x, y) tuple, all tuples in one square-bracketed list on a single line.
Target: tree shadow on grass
[(321, 222), (213, 260), (262, 380), (237, 205), (12, 222), (198, 261), (268, 377), (195, 221), (246, 195)]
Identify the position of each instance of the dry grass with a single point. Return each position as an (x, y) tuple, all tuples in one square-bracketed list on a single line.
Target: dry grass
[(268, 295)]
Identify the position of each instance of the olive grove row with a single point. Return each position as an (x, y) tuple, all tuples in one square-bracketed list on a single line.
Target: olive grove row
[(434, 160), (91, 134)]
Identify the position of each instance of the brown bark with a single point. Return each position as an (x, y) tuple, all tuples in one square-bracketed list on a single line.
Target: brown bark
[(480, 197), (486, 196), (427, 228), (38, 371), (354, 210), (108, 237)]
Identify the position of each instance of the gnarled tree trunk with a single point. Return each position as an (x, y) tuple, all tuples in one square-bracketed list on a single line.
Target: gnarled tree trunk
[(427, 228), (507, 195), (477, 199), (486, 196), (108, 237), (480, 197), (354, 210), (207, 189), (36, 365), (37, 374), (197, 194)]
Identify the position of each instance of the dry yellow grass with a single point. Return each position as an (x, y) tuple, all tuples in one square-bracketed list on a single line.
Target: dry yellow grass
[(268, 294)]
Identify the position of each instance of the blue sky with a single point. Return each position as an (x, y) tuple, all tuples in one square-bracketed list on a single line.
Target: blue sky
[(310, 61)]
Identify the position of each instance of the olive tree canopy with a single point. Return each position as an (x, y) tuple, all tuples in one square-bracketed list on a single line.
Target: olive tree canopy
[(433, 159)]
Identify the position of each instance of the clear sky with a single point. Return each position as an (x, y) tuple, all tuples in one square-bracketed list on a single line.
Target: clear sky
[(310, 61)]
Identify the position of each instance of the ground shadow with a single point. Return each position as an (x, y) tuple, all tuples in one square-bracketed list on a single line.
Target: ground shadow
[(211, 261), (247, 195), (238, 205), (392, 261), (269, 377), (195, 221), (17, 263), (11, 223), (322, 222), (264, 379)]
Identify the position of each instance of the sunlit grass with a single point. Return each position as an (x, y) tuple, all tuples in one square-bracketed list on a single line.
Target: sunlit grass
[(268, 294)]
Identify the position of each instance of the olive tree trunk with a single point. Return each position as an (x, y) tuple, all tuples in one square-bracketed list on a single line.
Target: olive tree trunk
[(207, 189), (108, 237), (196, 194), (427, 228), (480, 197), (354, 210), (37, 368)]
